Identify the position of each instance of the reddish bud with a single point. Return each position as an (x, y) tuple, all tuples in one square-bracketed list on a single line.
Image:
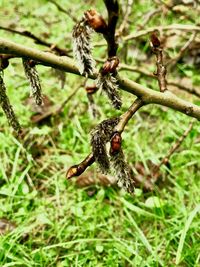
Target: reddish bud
[(4, 63), (115, 143), (73, 171), (96, 21), (32, 63), (91, 89), (110, 65), (154, 40)]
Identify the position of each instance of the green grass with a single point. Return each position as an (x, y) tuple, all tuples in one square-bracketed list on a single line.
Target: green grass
[(60, 224)]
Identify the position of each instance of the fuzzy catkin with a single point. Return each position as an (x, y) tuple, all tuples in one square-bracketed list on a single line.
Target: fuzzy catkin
[(108, 84), (99, 137), (6, 106), (122, 172), (82, 47), (33, 77)]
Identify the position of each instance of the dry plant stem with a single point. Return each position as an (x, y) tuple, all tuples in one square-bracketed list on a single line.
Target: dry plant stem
[(66, 64), (67, 12), (174, 60), (176, 145), (180, 27), (147, 17), (161, 69), (60, 109), (179, 12), (126, 18)]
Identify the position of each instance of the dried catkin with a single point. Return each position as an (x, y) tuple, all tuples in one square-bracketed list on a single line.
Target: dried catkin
[(82, 47), (108, 84), (33, 77), (122, 172), (6, 106), (100, 135)]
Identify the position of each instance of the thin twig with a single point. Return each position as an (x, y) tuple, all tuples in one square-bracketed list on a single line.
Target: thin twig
[(180, 27), (147, 17), (174, 60), (66, 12), (126, 18), (37, 40), (175, 146), (161, 68)]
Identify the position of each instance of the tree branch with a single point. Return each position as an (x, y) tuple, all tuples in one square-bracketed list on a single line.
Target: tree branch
[(78, 169), (66, 12), (180, 27), (37, 40), (66, 64)]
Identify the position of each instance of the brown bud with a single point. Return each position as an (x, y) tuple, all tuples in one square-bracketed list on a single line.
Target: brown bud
[(32, 63), (78, 169), (114, 62), (3, 63), (96, 21), (73, 171), (110, 65), (154, 40), (91, 89), (115, 143)]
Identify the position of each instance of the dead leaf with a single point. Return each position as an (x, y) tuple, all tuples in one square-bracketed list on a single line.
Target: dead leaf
[(6, 226)]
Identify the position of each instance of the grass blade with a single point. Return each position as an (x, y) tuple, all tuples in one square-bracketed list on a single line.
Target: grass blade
[(184, 232)]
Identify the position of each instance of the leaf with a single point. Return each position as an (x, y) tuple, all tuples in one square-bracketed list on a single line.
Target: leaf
[(184, 232), (154, 202)]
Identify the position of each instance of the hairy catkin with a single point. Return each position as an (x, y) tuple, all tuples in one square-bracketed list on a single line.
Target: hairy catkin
[(122, 172), (108, 84), (100, 135), (6, 106), (33, 77), (82, 47)]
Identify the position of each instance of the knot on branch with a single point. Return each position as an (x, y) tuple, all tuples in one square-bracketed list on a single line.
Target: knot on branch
[(110, 65)]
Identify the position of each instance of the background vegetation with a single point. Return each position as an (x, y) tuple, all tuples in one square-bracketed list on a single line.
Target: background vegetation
[(53, 222)]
